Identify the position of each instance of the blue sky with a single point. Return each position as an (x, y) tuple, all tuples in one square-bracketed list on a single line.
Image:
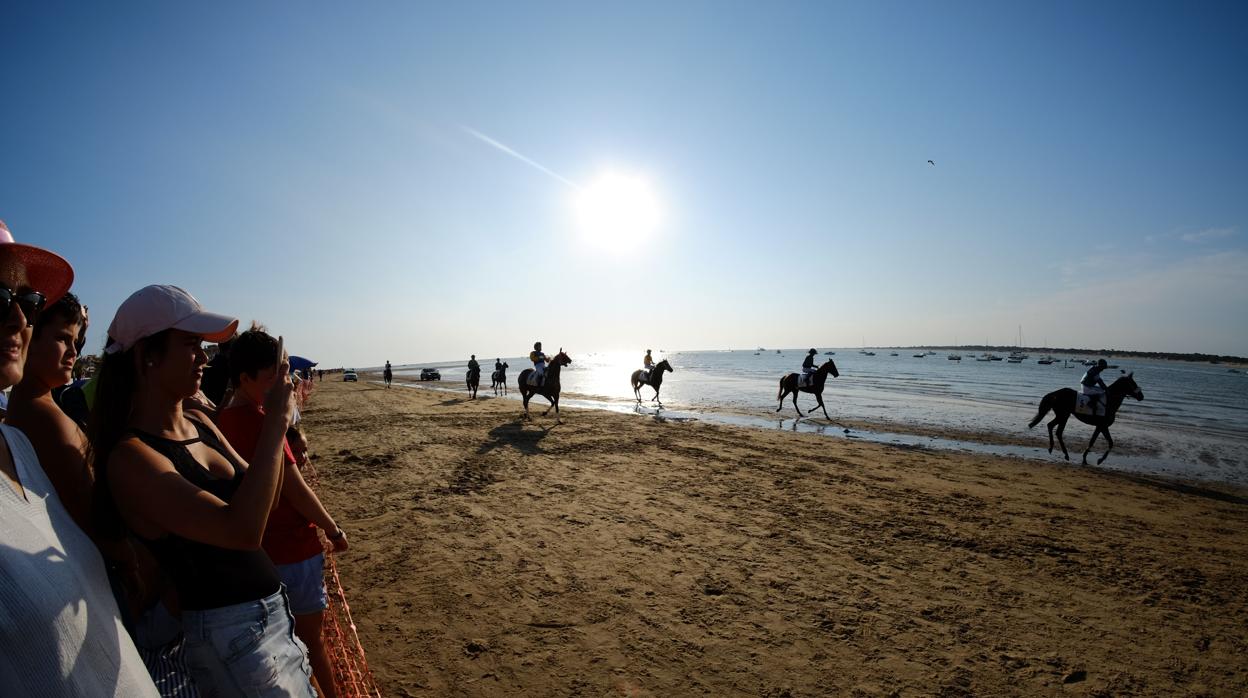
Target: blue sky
[(312, 166)]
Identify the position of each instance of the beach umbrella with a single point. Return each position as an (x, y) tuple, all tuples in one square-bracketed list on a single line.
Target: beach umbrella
[(298, 363)]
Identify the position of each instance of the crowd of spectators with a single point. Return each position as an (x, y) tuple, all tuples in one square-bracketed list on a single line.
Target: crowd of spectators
[(160, 538)]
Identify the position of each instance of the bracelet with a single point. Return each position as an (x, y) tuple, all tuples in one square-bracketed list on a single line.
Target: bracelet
[(337, 535)]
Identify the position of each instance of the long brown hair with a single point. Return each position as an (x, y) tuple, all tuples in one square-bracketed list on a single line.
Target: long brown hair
[(110, 420)]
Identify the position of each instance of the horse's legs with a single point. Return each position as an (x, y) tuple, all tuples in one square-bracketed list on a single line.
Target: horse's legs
[(819, 397), (1061, 430), (799, 410), (1108, 448), (784, 392), (656, 396), (525, 396), (1052, 424), (554, 402), (637, 392), (1095, 433)]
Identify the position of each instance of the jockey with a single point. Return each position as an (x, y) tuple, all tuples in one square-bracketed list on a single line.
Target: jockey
[(539, 363), (808, 364), (1093, 386), (498, 364), (473, 366)]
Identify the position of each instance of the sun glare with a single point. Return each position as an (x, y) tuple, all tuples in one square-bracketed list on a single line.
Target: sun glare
[(617, 212)]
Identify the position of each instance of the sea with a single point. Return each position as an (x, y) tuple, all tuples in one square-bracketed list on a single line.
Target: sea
[(1191, 424)]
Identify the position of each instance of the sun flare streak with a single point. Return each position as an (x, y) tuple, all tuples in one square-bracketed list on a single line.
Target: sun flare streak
[(491, 142)]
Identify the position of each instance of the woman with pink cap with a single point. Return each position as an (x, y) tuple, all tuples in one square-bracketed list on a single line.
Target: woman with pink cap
[(62, 634), (170, 478)]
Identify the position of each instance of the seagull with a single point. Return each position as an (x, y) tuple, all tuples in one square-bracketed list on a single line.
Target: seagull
[(931, 163)]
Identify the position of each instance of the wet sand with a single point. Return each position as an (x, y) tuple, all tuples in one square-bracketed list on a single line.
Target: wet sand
[(617, 555)]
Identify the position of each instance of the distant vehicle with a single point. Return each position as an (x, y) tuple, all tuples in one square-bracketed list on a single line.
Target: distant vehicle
[(348, 376), (430, 374)]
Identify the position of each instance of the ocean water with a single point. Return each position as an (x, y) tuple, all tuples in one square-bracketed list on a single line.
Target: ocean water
[(1193, 421)]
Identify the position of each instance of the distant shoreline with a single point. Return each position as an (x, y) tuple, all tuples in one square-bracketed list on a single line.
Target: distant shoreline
[(1093, 353)]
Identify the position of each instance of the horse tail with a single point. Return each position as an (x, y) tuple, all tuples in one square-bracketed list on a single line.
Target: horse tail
[(1045, 405), (780, 392)]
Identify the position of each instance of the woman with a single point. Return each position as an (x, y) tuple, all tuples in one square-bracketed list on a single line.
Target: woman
[(290, 539), (61, 631), (171, 478)]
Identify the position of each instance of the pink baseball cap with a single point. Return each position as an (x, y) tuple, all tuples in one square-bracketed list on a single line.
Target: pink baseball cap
[(29, 266), (157, 308)]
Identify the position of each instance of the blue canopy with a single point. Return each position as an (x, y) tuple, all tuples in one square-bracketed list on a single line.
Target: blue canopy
[(298, 363)]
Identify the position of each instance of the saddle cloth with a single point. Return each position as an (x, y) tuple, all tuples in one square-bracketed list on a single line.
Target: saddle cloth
[(645, 375), (496, 376), (536, 381), (804, 380), (1083, 406)]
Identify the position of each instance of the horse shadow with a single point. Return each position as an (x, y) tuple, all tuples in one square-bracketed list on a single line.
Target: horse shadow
[(449, 403), (513, 434), (1184, 488)]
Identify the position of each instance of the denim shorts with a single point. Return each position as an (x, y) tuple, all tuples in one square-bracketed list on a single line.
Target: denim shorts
[(305, 585), (248, 649)]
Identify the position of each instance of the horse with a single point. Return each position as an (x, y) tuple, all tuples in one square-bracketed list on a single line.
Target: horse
[(788, 384), (473, 378), (386, 373), (498, 380), (655, 380), (549, 388), (1063, 401)]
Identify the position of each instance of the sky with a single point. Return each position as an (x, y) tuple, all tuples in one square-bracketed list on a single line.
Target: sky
[(406, 181)]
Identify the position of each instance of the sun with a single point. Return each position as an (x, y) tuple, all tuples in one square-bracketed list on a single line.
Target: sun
[(617, 212)]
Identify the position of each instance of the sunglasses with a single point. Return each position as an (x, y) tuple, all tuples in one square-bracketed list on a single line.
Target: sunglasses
[(31, 302)]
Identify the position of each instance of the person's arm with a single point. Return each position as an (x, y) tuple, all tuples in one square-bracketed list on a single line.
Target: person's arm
[(146, 486), (296, 491), (62, 450)]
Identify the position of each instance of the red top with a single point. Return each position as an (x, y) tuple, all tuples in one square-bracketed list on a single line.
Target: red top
[(290, 537)]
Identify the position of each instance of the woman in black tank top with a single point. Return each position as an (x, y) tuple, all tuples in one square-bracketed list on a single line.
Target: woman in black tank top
[(172, 480)]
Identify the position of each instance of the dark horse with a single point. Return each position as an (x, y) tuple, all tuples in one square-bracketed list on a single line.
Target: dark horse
[(498, 380), (654, 381), (473, 377), (1062, 402), (788, 384), (388, 375), (549, 389)]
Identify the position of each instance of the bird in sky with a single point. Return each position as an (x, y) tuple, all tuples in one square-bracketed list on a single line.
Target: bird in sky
[(931, 163)]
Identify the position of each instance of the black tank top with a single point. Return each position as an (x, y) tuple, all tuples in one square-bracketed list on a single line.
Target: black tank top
[(206, 576)]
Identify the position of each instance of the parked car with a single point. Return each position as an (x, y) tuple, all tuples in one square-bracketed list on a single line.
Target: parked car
[(349, 376), (430, 374)]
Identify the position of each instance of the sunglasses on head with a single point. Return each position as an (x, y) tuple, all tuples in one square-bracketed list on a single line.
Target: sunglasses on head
[(31, 302)]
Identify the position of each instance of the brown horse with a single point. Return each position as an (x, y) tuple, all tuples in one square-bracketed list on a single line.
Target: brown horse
[(788, 384), (654, 381), (473, 378), (549, 389), (1063, 401)]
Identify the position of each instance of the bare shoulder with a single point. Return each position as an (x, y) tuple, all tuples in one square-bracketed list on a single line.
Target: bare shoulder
[(133, 462)]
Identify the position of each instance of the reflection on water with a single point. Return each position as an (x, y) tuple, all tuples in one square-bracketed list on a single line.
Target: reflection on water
[(1192, 421)]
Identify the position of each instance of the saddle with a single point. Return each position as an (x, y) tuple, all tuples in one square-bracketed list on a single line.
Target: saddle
[(645, 375), (535, 380), (1083, 405), (805, 380)]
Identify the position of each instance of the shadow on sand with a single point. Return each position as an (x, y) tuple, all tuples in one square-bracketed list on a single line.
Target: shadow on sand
[(1186, 488), (513, 434)]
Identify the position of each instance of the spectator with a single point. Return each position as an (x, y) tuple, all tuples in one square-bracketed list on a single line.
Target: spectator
[(291, 536), (169, 476), (62, 633)]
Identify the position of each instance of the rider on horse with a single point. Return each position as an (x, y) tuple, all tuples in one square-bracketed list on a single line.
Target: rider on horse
[(539, 363), (1093, 386), (647, 363), (473, 366), (498, 365), (808, 366)]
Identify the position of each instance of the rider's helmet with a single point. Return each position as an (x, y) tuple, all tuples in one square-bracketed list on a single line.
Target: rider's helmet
[(537, 346), (1101, 363), (647, 351), (813, 351), (473, 356)]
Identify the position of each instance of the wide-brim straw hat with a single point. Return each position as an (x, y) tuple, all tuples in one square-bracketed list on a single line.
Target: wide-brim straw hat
[(27, 266)]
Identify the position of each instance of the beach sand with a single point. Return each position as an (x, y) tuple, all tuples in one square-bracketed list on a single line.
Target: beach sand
[(615, 555)]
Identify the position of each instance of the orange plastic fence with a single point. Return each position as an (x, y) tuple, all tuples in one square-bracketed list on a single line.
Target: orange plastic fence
[(352, 677)]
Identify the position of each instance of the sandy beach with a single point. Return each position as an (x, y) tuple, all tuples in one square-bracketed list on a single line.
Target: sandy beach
[(614, 555)]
